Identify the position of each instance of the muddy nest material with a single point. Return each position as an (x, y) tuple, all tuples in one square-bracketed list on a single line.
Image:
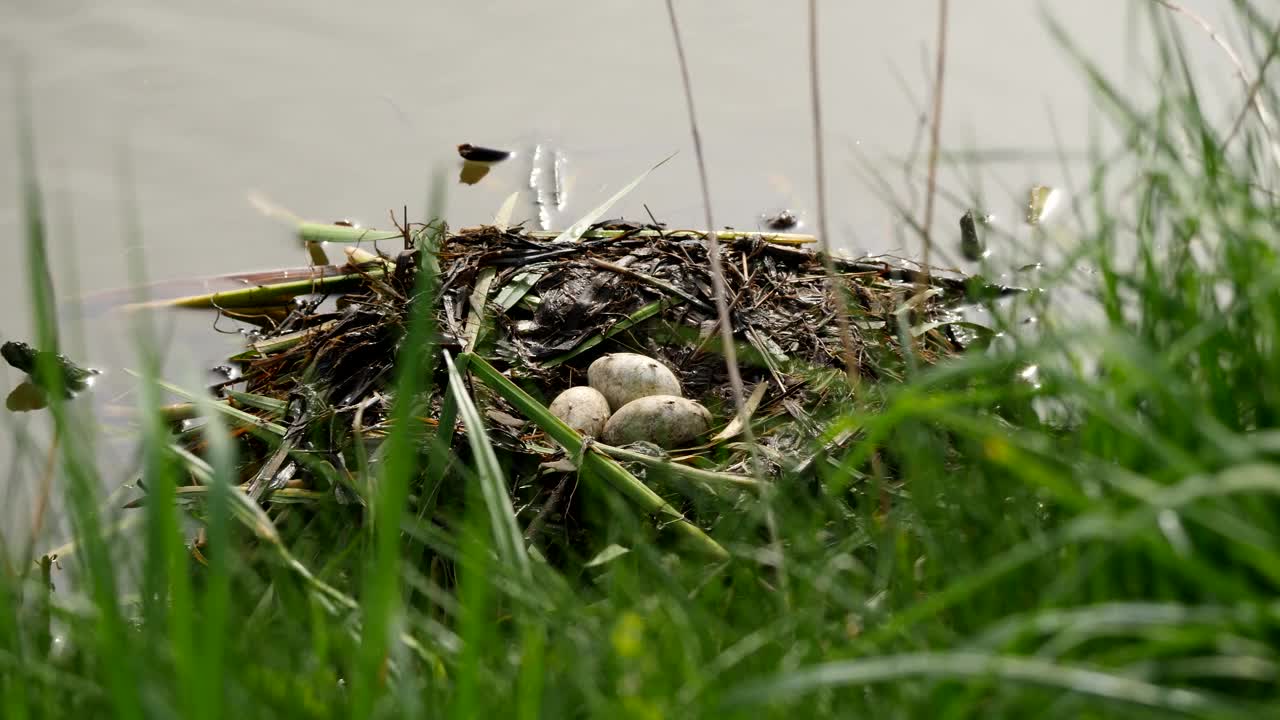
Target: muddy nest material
[(533, 314), (557, 308)]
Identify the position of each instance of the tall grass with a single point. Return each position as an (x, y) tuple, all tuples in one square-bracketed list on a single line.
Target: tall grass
[(1105, 543)]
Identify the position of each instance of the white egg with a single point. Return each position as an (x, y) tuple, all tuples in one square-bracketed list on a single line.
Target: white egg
[(664, 420), (582, 408), (623, 377)]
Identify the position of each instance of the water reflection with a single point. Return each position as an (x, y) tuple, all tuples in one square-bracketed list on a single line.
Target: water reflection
[(547, 182)]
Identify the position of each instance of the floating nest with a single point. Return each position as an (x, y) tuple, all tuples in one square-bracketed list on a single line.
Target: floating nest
[(532, 312)]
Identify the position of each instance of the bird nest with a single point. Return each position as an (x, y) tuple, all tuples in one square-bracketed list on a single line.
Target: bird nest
[(508, 318)]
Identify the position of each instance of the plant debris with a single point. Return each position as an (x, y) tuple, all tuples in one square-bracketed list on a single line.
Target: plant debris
[(46, 372), (520, 315)]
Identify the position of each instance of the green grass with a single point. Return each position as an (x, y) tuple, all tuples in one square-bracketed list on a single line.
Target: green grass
[(1106, 544)]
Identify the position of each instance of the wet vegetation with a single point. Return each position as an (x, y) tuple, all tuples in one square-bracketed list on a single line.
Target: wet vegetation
[(380, 516), (526, 315)]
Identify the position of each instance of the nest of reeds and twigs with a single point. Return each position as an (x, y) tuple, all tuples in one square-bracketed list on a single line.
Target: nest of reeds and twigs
[(525, 315)]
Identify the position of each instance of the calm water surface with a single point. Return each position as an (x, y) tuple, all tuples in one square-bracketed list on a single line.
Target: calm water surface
[(341, 110)]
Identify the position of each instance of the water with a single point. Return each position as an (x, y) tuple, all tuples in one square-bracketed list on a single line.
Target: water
[(340, 110)]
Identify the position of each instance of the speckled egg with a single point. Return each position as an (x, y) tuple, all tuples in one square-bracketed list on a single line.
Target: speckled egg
[(665, 420), (623, 377), (582, 408)]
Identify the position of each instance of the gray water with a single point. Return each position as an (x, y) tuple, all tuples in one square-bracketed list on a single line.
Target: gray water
[(345, 110)]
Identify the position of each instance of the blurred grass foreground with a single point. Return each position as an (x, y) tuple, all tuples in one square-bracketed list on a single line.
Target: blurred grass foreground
[(1080, 521)]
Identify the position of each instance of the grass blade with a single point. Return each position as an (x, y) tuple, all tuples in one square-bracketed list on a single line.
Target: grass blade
[(382, 601), (502, 517), (977, 666), (240, 416), (575, 231)]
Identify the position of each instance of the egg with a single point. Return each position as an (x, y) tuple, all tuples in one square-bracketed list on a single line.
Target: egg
[(664, 420), (624, 377), (582, 408)]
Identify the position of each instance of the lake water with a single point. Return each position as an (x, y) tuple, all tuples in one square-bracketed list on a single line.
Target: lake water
[(341, 110)]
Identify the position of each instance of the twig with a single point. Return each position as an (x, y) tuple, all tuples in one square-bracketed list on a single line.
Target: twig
[(711, 477), (725, 235), (935, 131), (547, 508), (722, 305), (819, 169), (42, 500), (712, 237), (1268, 124), (1252, 100)]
